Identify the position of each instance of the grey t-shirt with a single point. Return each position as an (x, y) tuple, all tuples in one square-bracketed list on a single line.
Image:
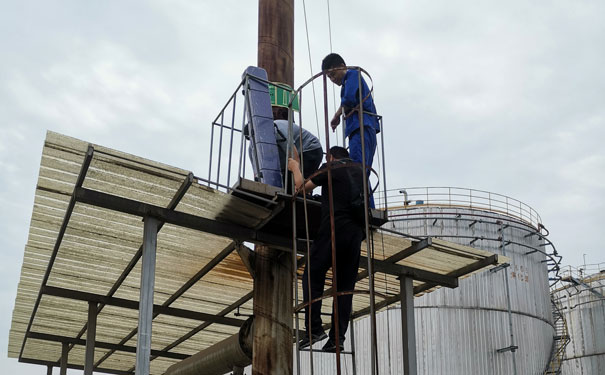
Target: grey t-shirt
[(309, 141)]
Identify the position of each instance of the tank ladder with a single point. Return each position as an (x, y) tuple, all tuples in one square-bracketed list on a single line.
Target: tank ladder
[(561, 340)]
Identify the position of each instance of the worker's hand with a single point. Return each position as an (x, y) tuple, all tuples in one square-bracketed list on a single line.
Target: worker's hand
[(293, 165), (335, 121)]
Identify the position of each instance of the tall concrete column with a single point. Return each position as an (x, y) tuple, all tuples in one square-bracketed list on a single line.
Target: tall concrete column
[(272, 346), (276, 39)]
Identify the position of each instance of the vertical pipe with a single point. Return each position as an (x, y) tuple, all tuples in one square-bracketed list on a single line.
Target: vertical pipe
[(366, 193), (242, 149), (510, 314), (49, 370), (210, 161), (384, 168), (295, 277), (91, 332), (64, 355), (408, 329), (332, 231), (220, 149), (354, 364), (146, 297), (231, 141)]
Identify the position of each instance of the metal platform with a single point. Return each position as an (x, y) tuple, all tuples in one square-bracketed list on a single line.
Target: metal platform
[(82, 260)]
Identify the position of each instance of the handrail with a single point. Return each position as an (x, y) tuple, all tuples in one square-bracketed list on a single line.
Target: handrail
[(449, 196)]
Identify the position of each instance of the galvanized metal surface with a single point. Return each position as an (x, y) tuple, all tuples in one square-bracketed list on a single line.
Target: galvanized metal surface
[(584, 312), (459, 330)]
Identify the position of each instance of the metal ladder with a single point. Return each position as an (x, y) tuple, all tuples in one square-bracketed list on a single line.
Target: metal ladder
[(561, 340)]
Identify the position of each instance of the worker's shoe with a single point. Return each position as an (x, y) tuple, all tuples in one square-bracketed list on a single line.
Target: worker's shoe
[(330, 346), (315, 337)]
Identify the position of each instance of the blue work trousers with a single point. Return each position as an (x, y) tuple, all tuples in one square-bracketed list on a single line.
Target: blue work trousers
[(355, 153)]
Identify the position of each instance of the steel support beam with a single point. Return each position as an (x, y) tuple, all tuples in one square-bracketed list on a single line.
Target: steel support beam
[(490, 260), (408, 328), (132, 207), (194, 279), (73, 366), (205, 325), (91, 333), (66, 341), (150, 238), (134, 305), (64, 356), (180, 193), (53, 256), (49, 370), (411, 272)]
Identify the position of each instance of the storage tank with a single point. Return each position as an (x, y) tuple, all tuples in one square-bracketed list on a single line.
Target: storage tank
[(580, 296), (494, 322)]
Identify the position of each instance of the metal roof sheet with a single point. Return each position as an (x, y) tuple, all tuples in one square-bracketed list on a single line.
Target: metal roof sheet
[(195, 271)]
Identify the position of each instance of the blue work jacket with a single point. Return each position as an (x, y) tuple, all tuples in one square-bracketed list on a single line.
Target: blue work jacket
[(349, 99)]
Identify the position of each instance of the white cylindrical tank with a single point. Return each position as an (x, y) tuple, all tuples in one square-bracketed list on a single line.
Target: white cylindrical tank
[(460, 331), (581, 299)]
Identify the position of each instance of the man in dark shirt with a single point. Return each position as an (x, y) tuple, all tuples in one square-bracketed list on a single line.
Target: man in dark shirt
[(347, 183)]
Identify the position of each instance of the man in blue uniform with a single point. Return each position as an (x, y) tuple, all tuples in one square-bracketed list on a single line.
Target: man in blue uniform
[(336, 70)]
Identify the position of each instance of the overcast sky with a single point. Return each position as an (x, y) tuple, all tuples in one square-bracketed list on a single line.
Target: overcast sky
[(507, 97)]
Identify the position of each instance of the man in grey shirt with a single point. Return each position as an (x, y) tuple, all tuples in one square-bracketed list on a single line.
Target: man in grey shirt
[(312, 152), (311, 147)]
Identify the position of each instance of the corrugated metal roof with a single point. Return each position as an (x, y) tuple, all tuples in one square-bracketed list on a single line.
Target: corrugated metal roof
[(195, 271)]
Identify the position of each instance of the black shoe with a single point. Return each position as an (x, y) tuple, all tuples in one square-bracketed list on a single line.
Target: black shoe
[(316, 337), (330, 346)]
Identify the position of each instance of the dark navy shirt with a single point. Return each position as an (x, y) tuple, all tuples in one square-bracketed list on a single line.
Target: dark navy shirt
[(342, 193)]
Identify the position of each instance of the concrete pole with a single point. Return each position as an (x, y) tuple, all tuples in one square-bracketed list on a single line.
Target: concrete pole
[(276, 39), (272, 345)]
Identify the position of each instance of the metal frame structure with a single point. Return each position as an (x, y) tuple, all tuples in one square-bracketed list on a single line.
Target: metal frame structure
[(155, 217)]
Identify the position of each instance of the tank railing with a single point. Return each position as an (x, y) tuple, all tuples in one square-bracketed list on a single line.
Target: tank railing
[(228, 151), (553, 259), (583, 271), (461, 198)]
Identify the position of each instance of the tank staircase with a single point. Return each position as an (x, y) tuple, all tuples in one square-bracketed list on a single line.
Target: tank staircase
[(561, 340)]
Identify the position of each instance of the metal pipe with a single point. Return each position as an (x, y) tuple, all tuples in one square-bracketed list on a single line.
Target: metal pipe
[(408, 328), (353, 362), (64, 355), (220, 358), (220, 149), (91, 332), (373, 339), (231, 142), (150, 237), (508, 305), (333, 232)]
